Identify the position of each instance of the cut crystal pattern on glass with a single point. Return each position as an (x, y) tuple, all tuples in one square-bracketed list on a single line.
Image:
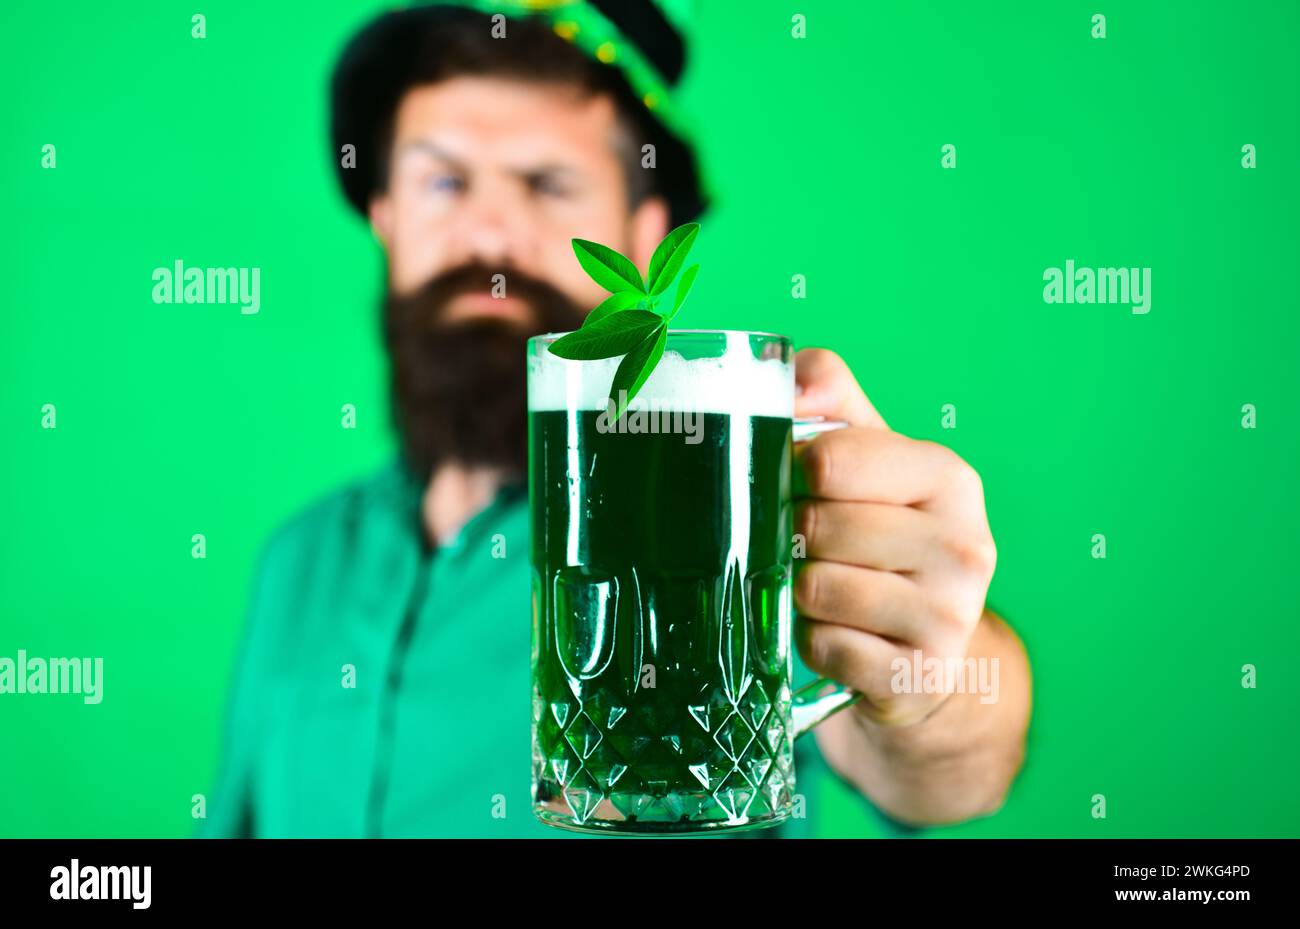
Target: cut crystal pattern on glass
[(610, 753)]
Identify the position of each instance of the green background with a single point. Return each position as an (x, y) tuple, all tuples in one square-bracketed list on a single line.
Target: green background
[(824, 154)]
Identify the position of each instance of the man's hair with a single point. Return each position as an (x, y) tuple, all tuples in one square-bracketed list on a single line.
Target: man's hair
[(383, 63)]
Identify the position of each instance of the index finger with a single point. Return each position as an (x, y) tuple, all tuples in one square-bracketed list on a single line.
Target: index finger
[(878, 466)]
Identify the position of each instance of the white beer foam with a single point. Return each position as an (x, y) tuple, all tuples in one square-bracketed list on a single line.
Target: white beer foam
[(736, 383)]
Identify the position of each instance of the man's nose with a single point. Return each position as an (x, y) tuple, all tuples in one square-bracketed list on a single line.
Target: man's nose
[(488, 231)]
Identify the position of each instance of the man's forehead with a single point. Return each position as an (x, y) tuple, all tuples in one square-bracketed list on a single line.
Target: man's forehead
[(473, 117)]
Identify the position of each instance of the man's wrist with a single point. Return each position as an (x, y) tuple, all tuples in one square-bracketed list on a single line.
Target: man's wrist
[(958, 762)]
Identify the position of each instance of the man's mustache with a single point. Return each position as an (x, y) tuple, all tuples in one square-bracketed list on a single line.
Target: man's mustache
[(427, 306)]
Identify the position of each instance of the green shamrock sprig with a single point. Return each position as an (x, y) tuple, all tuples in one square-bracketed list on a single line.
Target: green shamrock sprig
[(627, 322)]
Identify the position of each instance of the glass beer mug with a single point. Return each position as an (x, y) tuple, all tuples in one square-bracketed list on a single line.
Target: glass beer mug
[(661, 552)]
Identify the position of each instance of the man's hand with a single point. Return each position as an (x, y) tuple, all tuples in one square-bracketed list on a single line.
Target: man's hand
[(899, 559)]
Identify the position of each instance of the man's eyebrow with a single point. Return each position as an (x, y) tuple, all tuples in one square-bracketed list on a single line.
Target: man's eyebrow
[(549, 168), (432, 149), (546, 169)]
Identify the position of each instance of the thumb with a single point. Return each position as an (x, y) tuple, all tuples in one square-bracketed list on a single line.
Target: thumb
[(824, 386)]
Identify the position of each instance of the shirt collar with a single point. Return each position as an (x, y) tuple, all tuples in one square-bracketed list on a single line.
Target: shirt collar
[(402, 493)]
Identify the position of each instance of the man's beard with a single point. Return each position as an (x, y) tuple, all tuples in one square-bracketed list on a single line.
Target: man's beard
[(459, 388)]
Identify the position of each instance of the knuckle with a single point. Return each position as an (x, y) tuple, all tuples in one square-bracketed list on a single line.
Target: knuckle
[(815, 645), (808, 523), (970, 485), (819, 463), (945, 455), (972, 554), (808, 588), (956, 472), (952, 624), (822, 649), (962, 476)]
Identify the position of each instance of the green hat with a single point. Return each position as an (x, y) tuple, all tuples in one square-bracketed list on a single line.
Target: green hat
[(639, 41)]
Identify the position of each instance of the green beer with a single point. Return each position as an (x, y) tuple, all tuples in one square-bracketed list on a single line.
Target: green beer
[(661, 555)]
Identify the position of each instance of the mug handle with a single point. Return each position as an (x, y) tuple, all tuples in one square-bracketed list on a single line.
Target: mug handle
[(809, 706)]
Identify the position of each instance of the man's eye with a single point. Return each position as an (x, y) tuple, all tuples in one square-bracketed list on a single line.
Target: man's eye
[(548, 186), (445, 183)]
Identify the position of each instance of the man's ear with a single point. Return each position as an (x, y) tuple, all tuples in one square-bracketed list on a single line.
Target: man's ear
[(381, 218), (649, 226)]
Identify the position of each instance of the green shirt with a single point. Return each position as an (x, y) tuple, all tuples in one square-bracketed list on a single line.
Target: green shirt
[(432, 738)]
